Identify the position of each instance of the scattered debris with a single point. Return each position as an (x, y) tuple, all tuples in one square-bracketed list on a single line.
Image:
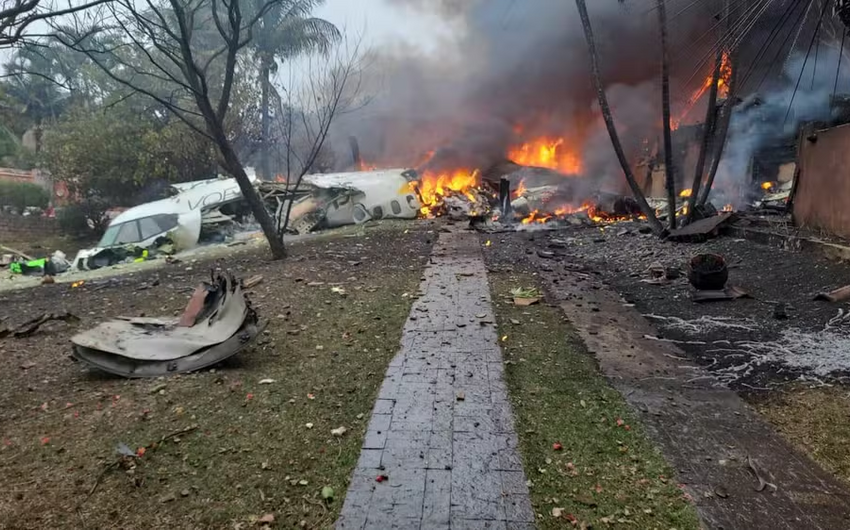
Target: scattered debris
[(267, 381), (328, 493), (31, 326), (708, 272), (704, 324), (221, 327), (701, 230), (253, 281), (730, 293), (461, 396), (757, 472), (339, 431), (838, 295), (381, 478)]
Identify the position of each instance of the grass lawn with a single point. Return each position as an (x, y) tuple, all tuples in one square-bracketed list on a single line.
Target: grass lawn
[(814, 420), (603, 472), (222, 448)]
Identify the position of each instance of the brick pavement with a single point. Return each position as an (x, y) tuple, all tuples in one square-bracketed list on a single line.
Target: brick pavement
[(442, 428)]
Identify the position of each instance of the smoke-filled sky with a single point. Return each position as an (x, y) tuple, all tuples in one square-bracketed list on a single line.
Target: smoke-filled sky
[(471, 78)]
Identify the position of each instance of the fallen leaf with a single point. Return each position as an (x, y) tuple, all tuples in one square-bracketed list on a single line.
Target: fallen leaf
[(140, 452), (267, 381), (249, 397), (557, 446), (481, 315), (328, 493), (302, 482), (557, 513), (45, 440), (620, 422), (266, 519), (309, 425), (515, 322), (311, 396), (598, 488), (339, 432)]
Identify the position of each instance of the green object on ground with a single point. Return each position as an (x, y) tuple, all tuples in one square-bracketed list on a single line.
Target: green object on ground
[(33, 266)]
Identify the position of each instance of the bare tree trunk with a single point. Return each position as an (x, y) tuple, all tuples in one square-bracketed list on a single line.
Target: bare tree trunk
[(708, 133), (265, 82), (647, 210), (723, 132), (669, 169), (232, 164)]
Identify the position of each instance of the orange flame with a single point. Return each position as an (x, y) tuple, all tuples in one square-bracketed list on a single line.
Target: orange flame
[(520, 190), (722, 89), (686, 193), (767, 186), (434, 187), (549, 153)]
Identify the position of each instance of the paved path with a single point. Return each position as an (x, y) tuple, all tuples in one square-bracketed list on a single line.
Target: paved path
[(706, 432), (442, 428)]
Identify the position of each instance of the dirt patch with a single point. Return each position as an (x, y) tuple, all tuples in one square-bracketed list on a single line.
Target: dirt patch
[(584, 451), (258, 429)]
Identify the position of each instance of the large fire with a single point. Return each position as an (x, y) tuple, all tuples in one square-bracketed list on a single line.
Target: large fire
[(722, 89), (434, 187), (550, 153)]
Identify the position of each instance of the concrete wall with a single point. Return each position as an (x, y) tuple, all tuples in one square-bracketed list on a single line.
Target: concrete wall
[(20, 228), (822, 200)]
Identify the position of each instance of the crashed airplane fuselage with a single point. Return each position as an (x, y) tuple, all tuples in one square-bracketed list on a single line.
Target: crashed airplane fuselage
[(177, 218)]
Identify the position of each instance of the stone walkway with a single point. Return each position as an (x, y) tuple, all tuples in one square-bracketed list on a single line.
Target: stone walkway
[(442, 429)]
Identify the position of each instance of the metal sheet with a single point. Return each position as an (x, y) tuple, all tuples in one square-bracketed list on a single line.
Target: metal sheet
[(146, 342), (135, 368)]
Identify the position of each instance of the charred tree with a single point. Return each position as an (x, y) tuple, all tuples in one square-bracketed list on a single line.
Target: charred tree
[(722, 133), (708, 133), (605, 108), (669, 169)]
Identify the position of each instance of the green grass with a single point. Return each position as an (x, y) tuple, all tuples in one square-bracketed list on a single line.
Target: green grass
[(251, 452), (607, 474)]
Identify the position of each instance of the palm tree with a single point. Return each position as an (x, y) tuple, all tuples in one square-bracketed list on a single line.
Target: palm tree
[(286, 30), (669, 166)]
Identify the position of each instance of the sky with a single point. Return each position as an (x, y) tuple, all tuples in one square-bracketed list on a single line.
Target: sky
[(384, 24)]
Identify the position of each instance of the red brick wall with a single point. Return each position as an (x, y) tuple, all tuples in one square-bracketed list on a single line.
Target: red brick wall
[(19, 228)]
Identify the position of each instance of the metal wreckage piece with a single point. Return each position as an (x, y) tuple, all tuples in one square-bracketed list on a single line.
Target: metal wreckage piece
[(217, 324)]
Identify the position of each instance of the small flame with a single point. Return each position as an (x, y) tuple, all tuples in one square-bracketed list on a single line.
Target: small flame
[(520, 190), (78, 284), (686, 193), (728, 208), (767, 186), (722, 89)]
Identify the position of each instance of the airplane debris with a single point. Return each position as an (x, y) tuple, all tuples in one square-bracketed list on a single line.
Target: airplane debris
[(221, 323)]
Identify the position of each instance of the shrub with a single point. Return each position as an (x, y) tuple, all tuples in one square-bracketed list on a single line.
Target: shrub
[(83, 219), (22, 195)]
